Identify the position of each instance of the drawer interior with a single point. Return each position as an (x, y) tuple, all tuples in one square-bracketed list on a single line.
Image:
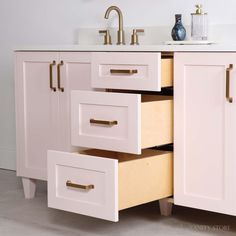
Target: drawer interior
[(154, 98), (157, 120), (167, 72), (142, 178)]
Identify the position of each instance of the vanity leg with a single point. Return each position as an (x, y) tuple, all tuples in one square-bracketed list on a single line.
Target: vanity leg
[(29, 186), (166, 206)]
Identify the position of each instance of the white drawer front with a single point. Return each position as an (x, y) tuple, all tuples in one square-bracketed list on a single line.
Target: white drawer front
[(90, 108), (119, 181), (137, 71), (84, 171)]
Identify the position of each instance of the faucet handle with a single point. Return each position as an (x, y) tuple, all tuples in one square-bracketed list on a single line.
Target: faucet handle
[(107, 36), (134, 36)]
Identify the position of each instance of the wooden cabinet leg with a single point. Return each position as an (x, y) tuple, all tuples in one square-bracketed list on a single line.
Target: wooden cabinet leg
[(29, 186), (165, 206)]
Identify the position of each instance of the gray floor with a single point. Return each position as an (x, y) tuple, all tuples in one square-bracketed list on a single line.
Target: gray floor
[(32, 217)]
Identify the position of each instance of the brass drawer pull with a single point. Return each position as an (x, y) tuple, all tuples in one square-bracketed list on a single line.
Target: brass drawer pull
[(79, 186), (59, 76), (51, 76), (228, 97), (103, 122), (129, 72)]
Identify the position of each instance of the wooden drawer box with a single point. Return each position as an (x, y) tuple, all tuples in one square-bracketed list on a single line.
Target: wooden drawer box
[(120, 122), (132, 71), (100, 183)]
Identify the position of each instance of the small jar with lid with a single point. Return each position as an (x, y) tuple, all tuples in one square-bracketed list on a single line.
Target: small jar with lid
[(199, 25)]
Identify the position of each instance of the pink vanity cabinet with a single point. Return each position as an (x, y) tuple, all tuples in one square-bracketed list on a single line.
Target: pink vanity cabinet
[(61, 120), (205, 131), (51, 117), (43, 82)]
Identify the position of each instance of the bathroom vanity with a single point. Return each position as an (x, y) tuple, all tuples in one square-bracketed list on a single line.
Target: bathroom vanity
[(90, 118)]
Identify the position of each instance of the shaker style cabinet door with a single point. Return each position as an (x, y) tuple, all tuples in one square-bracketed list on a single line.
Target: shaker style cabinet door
[(205, 131), (36, 111), (43, 84)]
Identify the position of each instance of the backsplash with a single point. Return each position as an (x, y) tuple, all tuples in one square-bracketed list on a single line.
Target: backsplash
[(154, 35)]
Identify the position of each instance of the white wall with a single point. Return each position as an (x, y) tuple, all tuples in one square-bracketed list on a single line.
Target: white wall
[(31, 22)]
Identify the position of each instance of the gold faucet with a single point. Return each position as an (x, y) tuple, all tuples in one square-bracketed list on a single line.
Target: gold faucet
[(120, 32)]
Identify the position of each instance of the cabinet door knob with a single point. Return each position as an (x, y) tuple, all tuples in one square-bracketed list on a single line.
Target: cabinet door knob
[(59, 76), (51, 76), (228, 70)]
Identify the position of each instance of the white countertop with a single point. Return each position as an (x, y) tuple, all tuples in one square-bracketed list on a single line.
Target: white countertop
[(129, 48)]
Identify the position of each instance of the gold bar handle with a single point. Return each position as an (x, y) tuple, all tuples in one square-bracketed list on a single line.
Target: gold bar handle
[(79, 186), (59, 76), (104, 122), (129, 72), (51, 76), (228, 97)]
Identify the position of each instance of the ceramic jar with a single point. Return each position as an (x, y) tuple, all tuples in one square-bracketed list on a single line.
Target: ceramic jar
[(178, 32)]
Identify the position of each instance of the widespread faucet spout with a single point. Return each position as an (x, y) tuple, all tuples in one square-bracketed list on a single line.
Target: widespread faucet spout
[(120, 15), (120, 32)]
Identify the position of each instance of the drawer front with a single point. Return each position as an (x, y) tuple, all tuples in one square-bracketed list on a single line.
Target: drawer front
[(83, 184), (101, 183), (109, 121), (134, 71)]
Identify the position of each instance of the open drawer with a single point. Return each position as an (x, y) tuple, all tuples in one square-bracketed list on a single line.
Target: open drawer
[(120, 121), (132, 71), (100, 183)]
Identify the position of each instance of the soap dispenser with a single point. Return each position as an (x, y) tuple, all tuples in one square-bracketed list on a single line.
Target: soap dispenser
[(199, 24)]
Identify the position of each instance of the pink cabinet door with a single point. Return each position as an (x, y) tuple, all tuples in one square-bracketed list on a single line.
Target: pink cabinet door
[(74, 69), (36, 112), (42, 114), (205, 132)]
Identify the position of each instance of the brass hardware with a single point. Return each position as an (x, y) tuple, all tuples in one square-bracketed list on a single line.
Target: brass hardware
[(228, 97), (134, 36), (59, 76), (79, 186), (117, 71), (103, 122), (120, 32), (51, 76), (107, 36)]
